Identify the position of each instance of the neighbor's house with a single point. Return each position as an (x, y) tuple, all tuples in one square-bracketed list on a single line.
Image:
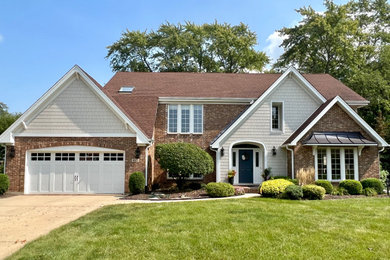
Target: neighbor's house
[(80, 137)]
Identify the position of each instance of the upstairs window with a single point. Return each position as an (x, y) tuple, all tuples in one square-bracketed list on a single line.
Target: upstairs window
[(185, 119), (276, 116)]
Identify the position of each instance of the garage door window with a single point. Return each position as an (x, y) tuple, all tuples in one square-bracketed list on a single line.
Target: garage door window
[(65, 156), (113, 156), (89, 157), (40, 157)]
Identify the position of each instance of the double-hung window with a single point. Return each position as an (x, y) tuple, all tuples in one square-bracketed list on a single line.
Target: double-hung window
[(336, 164), (185, 119)]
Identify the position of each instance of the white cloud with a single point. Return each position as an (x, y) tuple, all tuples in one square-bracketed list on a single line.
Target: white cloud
[(1, 38), (272, 49)]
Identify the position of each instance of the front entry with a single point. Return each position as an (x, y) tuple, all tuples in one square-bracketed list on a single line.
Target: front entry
[(245, 166)]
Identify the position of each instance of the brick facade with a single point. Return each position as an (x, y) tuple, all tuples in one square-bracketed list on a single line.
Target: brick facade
[(216, 117), (15, 167), (338, 120)]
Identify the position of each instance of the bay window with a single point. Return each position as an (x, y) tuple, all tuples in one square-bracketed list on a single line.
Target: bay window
[(185, 119), (336, 164)]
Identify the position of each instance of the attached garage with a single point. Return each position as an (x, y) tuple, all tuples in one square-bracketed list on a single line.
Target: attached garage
[(75, 170)]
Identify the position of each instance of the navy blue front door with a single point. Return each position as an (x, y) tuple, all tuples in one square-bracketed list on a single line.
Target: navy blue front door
[(245, 166)]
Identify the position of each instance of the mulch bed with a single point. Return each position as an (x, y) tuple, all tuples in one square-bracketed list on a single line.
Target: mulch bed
[(185, 195)]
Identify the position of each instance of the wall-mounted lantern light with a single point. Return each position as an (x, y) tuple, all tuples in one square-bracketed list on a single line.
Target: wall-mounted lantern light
[(274, 151), (137, 153), (222, 151)]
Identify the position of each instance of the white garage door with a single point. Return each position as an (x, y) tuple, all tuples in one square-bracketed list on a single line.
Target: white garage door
[(75, 172)]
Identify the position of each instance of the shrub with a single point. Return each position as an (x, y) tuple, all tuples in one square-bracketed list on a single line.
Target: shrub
[(327, 185), (219, 189), (137, 183), (353, 187), (293, 192), (339, 191), (239, 191), (373, 183), (313, 192), (266, 174), (295, 181), (305, 176), (182, 160), (383, 175), (370, 192), (274, 188), (4, 183)]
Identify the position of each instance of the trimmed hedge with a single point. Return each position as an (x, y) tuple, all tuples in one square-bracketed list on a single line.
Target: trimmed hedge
[(293, 192), (327, 185), (219, 189), (313, 192), (353, 187), (295, 181), (4, 183), (373, 183), (137, 183), (370, 192), (274, 188)]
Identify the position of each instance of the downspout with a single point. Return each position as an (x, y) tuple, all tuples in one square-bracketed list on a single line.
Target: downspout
[(292, 161)]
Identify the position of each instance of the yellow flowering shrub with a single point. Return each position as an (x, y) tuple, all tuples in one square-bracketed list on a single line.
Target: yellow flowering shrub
[(273, 188)]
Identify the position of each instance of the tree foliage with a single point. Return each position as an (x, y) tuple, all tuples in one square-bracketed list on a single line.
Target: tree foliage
[(188, 48), (181, 160), (6, 120), (350, 42)]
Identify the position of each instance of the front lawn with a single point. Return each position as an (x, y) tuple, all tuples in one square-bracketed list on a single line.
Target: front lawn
[(254, 228)]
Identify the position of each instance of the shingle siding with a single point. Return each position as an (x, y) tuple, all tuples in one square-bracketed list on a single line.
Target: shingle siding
[(76, 110), (298, 105)]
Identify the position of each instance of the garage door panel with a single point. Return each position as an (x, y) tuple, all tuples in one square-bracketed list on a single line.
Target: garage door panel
[(45, 177), (102, 174)]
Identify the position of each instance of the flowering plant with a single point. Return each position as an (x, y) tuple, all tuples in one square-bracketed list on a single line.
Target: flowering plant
[(231, 173)]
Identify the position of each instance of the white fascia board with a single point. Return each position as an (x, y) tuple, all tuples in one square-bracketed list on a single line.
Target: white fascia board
[(204, 100), (349, 111), (260, 100), (7, 137), (357, 103), (76, 135)]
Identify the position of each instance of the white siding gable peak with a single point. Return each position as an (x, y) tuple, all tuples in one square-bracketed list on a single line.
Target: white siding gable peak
[(8, 136), (289, 72)]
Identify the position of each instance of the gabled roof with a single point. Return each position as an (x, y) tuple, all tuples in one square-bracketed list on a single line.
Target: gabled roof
[(7, 136), (220, 85), (321, 111), (227, 132)]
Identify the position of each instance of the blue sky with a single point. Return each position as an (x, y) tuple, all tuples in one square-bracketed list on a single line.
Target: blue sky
[(41, 40)]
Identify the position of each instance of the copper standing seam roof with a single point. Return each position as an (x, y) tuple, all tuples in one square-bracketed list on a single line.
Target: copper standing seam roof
[(337, 138)]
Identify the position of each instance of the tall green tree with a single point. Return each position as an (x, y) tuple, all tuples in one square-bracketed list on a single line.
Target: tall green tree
[(350, 42), (188, 47)]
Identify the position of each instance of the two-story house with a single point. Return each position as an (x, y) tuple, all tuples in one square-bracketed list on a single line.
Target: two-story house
[(80, 137)]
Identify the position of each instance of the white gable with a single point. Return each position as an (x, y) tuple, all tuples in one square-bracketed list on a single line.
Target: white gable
[(77, 110), (298, 105), (75, 106)]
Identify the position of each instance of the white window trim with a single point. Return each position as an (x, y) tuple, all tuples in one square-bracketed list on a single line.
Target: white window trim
[(342, 163), (281, 114), (179, 119), (191, 177)]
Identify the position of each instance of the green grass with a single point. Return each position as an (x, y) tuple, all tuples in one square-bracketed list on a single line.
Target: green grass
[(227, 229)]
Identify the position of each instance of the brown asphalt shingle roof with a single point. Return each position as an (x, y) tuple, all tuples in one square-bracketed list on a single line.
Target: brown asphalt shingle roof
[(141, 104)]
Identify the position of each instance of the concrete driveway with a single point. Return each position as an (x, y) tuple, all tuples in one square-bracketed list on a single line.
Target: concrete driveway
[(26, 217)]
